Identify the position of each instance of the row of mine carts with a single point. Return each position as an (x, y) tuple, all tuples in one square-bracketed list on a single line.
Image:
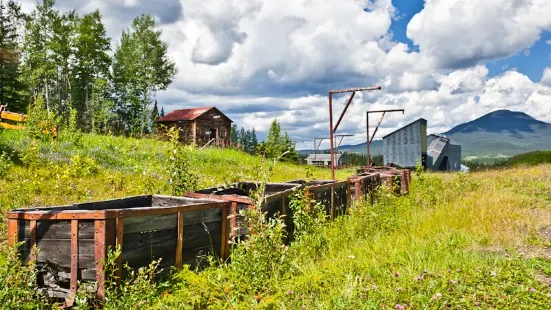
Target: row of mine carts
[(69, 243)]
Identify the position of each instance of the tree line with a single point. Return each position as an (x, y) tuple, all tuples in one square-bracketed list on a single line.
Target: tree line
[(67, 60), (276, 145)]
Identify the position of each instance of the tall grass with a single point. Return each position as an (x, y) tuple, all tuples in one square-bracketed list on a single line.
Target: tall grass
[(456, 241)]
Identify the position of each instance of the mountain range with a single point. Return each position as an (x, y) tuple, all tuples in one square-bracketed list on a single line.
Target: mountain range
[(501, 133)]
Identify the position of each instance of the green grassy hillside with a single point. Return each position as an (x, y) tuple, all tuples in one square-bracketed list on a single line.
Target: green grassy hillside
[(531, 159), (101, 167), (460, 241)]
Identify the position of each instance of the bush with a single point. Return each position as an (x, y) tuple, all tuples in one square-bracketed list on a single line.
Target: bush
[(17, 282)]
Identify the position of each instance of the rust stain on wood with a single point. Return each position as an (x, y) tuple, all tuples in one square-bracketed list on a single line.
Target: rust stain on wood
[(13, 228), (118, 243), (74, 263), (179, 241), (33, 241), (99, 254)]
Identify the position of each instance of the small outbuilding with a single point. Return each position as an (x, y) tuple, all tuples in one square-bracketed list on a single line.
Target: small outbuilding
[(443, 154), (325, 160), (200, 126)]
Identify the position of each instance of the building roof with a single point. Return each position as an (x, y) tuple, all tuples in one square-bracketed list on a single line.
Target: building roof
[(395, 131), (187, 114), (323, 157), (437, 135)]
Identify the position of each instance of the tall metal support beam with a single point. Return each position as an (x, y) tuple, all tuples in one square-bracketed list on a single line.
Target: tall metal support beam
[(333, 130), (370, 139)]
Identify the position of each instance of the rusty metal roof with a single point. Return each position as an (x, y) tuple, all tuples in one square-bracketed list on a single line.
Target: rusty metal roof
[(184, 114)]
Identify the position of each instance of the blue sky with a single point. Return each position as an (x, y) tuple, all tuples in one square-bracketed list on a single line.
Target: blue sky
[(531, 62), (448, 61)]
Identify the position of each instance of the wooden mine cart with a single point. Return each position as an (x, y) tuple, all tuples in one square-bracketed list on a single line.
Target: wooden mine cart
[(334, 196), (276, 201), (73, 241), (363, 186)]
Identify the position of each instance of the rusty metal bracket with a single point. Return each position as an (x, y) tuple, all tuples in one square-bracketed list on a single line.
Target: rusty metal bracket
[(369, 140), (333, 130)]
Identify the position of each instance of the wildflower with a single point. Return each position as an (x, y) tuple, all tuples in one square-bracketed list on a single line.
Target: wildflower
[(351, 256), (399, 307), (438, 295), (532, 290), (399, 289), (548, 295), (289, 292), (396, 274), (373, 287), (419, 279), (452, 282), (493, 273)]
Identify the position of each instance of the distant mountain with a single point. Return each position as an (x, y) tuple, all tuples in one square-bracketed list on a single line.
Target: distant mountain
[(502, 132), (495, 134), (376, 148)]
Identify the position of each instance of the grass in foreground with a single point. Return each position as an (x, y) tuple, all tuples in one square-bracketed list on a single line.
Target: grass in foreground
[(460, 241), (456, 241)]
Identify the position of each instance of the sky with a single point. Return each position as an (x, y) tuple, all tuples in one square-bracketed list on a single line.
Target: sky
[(448, 61)]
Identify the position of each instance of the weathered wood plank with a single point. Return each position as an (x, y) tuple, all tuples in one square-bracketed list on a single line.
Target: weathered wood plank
[(57, 229), (58, 252)]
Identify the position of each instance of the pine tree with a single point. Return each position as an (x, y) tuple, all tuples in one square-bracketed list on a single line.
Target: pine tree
[(242, 138), (11, 84), (141, 68), (254, 141), (154, 114), (162, 111), (277, 144), (234, 135)]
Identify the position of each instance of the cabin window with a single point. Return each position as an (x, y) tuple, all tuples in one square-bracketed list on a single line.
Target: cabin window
[(223, 133)]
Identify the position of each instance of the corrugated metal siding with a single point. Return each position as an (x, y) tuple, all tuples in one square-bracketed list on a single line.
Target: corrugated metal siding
[(404, 147)]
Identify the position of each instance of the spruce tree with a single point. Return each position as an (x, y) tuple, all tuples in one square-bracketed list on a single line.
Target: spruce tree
[(234, 135), (242, 138)]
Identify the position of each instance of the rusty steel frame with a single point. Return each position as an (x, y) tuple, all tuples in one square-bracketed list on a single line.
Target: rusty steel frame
[(333, 130), (369, 140), (108, 232)]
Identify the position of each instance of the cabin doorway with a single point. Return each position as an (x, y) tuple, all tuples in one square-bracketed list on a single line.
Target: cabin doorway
[(214, 135)]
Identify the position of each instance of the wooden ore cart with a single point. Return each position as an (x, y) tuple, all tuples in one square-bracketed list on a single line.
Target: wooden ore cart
[(70, 243)]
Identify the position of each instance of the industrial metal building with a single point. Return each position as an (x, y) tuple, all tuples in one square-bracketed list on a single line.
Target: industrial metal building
[(407, 145), (443, 154)]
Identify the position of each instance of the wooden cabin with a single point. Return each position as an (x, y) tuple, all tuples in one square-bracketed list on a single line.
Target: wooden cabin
[(200, 126)]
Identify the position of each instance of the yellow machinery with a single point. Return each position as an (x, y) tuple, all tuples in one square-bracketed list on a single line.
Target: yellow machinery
[(11, 120)]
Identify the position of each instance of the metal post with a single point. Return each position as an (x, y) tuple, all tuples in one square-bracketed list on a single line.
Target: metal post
[(331, 135), (333, 130), (368, 144)]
